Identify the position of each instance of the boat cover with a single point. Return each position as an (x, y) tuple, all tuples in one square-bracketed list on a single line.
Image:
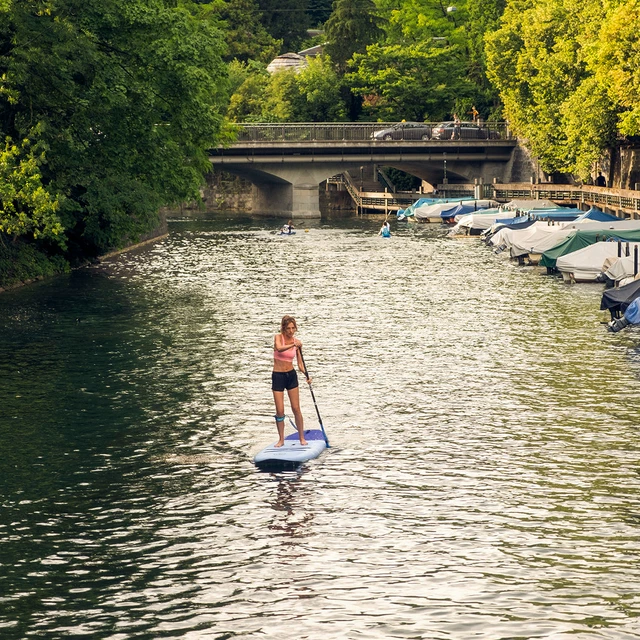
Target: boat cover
[(506, 236), (462, 209), (425, 202), (619, 268), (578, 239), (617, 300), (594, 214), (530, 204), (547, 239), (562, 214), (481, 219), (588, 263), (425, 212)]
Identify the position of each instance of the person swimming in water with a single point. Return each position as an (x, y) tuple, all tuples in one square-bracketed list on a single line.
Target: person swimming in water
[(286, 347)]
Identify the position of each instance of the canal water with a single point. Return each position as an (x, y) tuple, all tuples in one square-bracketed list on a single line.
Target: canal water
[(483, 476)]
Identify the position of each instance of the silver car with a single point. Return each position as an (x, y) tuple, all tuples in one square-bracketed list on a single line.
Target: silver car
[(404, 131)]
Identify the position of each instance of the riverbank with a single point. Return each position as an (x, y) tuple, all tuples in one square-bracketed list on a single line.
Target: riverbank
[(22, 264)]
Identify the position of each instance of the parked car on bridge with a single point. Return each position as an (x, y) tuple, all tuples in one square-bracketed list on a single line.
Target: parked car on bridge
[(462, 131), (404, 131)]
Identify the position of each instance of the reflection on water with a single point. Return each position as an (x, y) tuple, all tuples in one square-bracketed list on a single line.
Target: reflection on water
[(483, 476)]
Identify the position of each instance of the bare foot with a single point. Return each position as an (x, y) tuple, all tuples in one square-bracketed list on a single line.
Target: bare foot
[(304, 443), (279, 443)]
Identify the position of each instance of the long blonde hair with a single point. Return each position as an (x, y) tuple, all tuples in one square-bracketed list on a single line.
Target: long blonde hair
[(287, 320)]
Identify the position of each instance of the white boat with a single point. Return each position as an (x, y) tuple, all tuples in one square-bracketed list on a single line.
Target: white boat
[(585, 265), (432, 212), (506, 237), (620, 270), (473, 224), (535, 245)]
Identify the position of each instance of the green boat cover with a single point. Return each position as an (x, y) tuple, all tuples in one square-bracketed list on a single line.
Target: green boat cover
[(579, 239)]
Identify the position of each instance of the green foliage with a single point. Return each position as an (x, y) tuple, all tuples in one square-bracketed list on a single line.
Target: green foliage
[(246, 38), (568, 75), (26, 207), (21, 261), (309, 95), (247, 102), (285, 20), (319, 12), (353, 25), (125, 97), (615, 62), (418, 81), (402, 180), (412, 21)]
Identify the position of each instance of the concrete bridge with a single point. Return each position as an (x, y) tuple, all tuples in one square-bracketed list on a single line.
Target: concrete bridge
[(286, 163)]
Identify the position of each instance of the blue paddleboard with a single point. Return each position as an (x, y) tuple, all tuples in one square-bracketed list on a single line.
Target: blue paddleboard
[(292, 453)]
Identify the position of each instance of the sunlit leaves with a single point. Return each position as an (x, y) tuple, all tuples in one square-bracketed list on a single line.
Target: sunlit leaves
[(128, 97), (414, 82), (309, 95), (27, 209)]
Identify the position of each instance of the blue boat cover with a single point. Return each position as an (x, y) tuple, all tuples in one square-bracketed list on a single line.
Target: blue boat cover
[(462, 209), (563, 214), (597, 216), (632, 314), (427, 201)]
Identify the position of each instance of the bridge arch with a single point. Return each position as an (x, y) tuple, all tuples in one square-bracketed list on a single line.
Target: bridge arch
[(286, 163)]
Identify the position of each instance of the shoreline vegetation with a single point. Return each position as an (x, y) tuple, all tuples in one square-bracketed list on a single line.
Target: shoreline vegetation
[(107, 110)]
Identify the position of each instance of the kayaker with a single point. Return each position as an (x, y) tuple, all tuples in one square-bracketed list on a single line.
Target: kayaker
[(385, 230), (288, 228), (286, 347)]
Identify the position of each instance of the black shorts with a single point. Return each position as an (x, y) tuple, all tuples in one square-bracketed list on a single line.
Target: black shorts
[(281, 380)]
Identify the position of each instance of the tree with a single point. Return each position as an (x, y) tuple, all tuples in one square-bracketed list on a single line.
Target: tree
[(245, 36), (27, 209), (125, 98), (353, 25), (319, 12), (555, 64), (414, 82), (285, 20), (309, 95), (615, 61)]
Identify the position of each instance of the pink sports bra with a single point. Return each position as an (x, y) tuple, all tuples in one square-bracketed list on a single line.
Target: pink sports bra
[(286, 356)]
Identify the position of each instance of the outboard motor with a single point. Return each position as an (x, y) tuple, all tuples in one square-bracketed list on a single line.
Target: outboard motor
[(631, 316)]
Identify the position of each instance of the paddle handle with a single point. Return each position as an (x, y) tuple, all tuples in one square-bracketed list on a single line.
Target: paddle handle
[(313, 397)]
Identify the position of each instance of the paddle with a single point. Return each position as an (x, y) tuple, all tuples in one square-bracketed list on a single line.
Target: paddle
[(306, 374)]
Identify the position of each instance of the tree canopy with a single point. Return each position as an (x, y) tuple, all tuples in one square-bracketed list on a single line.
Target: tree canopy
[(107, 109), (568, 76)]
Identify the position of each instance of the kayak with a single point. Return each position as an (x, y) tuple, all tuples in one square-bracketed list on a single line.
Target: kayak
[(287, 233), (291, 453)]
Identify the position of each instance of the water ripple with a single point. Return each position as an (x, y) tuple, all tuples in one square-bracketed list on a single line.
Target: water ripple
[(483, 478)]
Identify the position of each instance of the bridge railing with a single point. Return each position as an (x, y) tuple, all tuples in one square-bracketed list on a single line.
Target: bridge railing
[(368, 131)]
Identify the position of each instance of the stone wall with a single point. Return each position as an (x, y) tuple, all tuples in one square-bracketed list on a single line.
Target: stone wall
[(223, 191), (626, 168)]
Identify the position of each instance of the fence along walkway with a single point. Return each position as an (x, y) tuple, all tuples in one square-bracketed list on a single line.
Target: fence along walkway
[(621, 202), (358, 132)]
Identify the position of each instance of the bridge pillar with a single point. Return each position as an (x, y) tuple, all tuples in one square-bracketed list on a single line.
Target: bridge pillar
[(300, 200), (306, 201)]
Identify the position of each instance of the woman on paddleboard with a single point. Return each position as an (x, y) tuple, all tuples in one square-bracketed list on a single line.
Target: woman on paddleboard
[(286, 347)]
